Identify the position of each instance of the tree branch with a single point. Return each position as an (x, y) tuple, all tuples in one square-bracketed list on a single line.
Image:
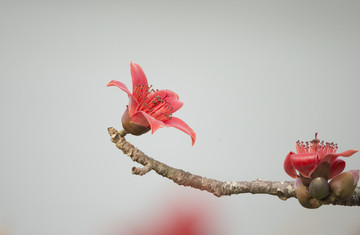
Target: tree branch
[(281, 189)]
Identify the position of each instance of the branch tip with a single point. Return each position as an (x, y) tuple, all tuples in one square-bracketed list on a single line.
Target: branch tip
[(141, 171), (113, 133)]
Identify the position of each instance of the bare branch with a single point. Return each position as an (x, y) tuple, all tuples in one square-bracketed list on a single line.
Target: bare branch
[(283, 189)]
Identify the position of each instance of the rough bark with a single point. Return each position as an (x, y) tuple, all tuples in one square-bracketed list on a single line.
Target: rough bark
[(281, 189)]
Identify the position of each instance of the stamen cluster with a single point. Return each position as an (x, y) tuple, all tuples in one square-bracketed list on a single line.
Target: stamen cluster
[(157, 106), (315, 146)]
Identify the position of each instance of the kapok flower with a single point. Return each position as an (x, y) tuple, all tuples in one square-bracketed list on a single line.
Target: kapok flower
[(310, 156), (149, 108)]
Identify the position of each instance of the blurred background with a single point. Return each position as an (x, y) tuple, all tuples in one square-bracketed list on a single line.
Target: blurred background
[(254, 76)]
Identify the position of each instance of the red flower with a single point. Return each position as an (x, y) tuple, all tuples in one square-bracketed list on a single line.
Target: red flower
[(150, 109), (309, 157)]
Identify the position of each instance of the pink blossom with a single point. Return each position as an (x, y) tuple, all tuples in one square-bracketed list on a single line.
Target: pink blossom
[(310, 155), (149, 108)]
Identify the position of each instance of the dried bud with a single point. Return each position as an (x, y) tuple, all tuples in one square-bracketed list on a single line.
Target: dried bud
[(131, 127), (304, 197), (319, 188), (344, 184), (305, 181)]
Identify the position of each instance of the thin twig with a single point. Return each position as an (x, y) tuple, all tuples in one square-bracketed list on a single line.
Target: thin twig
[(281, 189)]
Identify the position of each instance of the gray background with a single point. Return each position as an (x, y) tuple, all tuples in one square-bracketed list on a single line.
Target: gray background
[(254, 76)]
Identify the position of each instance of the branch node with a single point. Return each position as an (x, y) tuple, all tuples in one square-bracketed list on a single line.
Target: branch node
[(281, 196), (142, 170)]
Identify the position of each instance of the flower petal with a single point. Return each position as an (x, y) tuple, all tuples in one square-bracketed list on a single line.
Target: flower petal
[(171, 97), (120, 85), (288, 167), (336, 168), (176, 105), (298, 183), (173, 100), (144, 119), (304, 163), (133, 104), (330, 157), (164, 94), (138, 75), (181, 125), (355, 174)]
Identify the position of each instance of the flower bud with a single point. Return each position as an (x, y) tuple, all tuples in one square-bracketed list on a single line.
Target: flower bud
[(344, 184), (319, 188), (304, 197), (131, 127)]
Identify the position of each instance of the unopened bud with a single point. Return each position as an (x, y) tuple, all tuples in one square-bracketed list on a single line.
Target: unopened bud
[(319, 188), (344, 184), (304, 197)]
